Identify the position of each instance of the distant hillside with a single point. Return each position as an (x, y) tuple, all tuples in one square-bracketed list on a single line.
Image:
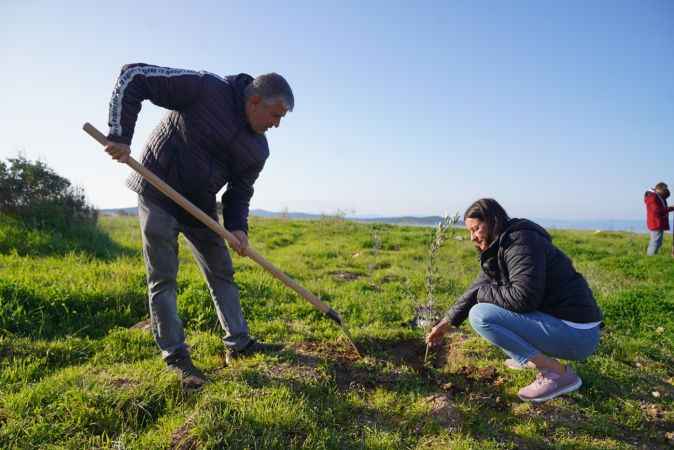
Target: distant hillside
[(401, 220), (119, 211), (398, 220), (632, 225)]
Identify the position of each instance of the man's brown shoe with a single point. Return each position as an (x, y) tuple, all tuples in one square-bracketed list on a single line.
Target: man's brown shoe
[(253, 346), (191, 378)]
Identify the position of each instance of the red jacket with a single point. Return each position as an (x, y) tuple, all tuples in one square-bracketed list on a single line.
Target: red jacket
[(657, 212)]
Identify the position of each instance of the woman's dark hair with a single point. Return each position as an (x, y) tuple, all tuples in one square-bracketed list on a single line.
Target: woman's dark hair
[(662, 189), (491, 213)]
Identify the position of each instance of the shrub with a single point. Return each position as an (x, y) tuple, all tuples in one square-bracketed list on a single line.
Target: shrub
[(40, 197)]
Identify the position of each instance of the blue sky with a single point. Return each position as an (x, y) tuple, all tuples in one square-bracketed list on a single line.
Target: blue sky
[(556, 109)]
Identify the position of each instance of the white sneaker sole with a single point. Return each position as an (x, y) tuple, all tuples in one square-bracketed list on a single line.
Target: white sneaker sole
[(570, 388)]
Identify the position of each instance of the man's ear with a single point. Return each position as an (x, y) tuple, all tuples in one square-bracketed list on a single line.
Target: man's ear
[(255, 100)]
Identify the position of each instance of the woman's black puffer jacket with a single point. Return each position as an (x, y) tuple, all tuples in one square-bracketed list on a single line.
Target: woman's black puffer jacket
[(522, 271)]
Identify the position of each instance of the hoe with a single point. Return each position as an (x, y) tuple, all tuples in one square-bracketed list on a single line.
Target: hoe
[(226, 235)]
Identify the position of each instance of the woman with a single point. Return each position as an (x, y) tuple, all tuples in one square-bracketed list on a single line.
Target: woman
[(657, 215), (527, 300)]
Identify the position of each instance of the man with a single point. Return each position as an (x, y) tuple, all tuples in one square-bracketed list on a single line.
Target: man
[(657, 216), (213, 135)]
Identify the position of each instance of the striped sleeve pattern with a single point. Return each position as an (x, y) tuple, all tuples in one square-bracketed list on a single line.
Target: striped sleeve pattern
[(173, 89)]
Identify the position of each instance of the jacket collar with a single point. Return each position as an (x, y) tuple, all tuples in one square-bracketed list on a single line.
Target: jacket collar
[(662, 200)]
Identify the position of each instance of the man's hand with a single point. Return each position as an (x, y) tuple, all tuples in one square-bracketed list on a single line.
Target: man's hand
[(119, 152), (242, 237), (437, 333)]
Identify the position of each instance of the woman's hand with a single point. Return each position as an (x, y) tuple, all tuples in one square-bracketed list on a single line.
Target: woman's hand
[(437, 333)]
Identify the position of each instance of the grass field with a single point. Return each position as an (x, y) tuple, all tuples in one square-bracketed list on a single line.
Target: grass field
[(73, 374)]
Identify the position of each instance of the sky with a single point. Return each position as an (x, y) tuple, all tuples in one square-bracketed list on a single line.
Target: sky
[(556, 109)]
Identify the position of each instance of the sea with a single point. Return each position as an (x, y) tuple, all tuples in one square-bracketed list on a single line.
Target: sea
[(634, 226)]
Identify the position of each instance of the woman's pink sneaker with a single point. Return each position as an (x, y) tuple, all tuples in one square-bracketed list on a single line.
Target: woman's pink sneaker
[(549, 385)]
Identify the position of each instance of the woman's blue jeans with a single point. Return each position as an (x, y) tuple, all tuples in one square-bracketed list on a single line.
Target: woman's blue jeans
[(523, 336), (655, 242)]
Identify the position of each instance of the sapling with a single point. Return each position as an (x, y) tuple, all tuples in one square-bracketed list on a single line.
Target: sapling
[(427, 316)]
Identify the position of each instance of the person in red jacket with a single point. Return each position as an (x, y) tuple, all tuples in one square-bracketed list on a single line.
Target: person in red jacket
[(657, 215)]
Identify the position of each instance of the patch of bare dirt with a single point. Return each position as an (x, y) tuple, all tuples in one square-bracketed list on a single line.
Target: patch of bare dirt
[(348, 377), (143, 325), (455, 346), (480, 385), (379, 265), (352, 372), (660, 419), (302, 371), (489, 399), (341, 351), (122, 383), (349, 374), (482, 376), (389, 279), (443, 411), (409, 352), (487, 375), (345, 275), (181, 439), (655, 412)]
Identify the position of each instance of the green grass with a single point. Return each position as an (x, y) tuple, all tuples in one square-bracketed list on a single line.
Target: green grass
[(73, 375)]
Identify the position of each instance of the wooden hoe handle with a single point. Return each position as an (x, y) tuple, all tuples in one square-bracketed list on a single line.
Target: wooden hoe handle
[(167, 190)]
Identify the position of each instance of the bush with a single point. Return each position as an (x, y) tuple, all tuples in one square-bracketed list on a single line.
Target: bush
[(40, 197)]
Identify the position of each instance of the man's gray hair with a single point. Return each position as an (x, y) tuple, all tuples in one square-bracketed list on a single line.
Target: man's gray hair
[(271, 86)]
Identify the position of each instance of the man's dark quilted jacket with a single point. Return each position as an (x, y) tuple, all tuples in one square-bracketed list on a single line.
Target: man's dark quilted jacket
[(201, 145), (522, 271)]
